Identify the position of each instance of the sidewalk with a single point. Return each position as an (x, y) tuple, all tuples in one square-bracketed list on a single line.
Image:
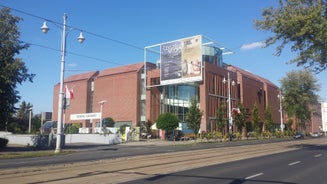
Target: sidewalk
[(157, 142), (89, 146)]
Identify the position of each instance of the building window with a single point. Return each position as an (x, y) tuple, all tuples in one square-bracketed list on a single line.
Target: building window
[(142, 109), (177, 99), (91, 97), (142, 86), (212, 55)]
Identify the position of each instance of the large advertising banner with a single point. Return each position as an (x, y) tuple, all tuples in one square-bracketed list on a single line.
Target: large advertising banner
[(181, 61), (171, 55)]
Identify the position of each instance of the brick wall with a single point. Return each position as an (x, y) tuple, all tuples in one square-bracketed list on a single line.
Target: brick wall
[(122, 92)]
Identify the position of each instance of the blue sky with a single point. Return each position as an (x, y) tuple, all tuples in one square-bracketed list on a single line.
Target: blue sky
[(139, 23)]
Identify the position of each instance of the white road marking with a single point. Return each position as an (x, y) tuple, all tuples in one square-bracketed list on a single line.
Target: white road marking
[(318, 155), (294, 163), (253, 176)]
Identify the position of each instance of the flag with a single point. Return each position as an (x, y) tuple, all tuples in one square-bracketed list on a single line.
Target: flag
[(68, 96), (236, 111), (69, 93)]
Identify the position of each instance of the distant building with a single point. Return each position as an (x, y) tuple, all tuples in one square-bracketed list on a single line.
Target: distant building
[(324, 116), (315, 123), (46, 116)]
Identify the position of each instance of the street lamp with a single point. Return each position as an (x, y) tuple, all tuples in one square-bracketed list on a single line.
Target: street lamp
[(230, 118), (281, 97), (30, 119), (101, 104), (81, 38)]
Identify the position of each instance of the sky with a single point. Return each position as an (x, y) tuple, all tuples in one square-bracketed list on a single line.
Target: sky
[(117, 31)]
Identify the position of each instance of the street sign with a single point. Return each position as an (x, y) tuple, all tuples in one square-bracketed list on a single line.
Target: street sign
[(85, 116)]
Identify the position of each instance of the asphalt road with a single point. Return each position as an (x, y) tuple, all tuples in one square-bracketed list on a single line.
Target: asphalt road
[(296, 161), (302, 166), (93, 152)]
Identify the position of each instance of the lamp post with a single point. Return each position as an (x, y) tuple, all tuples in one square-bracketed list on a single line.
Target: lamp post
[(230, 118), (101, 104), (280, 97), (81, 38), (30, 119)]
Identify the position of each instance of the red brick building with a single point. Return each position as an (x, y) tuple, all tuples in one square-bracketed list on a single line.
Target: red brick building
[(122, 89), (133, 97), (82, 87)]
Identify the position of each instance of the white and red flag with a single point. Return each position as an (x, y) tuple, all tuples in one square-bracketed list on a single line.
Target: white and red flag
[(69, 93), (68, 96), (236, 111)]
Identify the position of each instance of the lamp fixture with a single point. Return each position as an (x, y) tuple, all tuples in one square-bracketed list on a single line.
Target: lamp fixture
[(81, 38), (44, 27)]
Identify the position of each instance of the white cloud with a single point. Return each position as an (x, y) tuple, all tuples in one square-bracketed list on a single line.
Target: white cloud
[(72, 64), (253, 45)]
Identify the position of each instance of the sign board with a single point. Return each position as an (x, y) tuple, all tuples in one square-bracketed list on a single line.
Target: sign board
[(85, 116), (181, 60)]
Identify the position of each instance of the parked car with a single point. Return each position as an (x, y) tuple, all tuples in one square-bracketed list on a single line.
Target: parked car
[(298, 135), (315, 134)]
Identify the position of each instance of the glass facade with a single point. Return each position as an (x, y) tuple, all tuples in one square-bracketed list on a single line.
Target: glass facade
[(143, 96), (212, 55), (176, 99)]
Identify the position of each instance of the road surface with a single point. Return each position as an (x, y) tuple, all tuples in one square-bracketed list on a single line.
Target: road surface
[(131, 168)]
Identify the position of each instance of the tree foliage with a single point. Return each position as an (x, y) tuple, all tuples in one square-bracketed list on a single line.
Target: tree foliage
[(12, 70), (241, 118), (221, 116), (167, 121), (108, 122), (20, 122), (299, 91), (256, 118), (148, 128), (23, 110), (269, 122), (301, 23), (193, 117)]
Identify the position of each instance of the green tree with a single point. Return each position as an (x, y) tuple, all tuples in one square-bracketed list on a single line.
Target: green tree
[(108, 121), (167, 122), (269, 122), (148, 128), (256, 118), (241, 118), (36, 123), (12, 70), (221, 117), (20, 121), (23, 110), (299, 91), (193, 117), (301, 24)]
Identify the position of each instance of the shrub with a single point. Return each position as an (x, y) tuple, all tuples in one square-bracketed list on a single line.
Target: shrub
[(217, 135), (73, 128), (3, 142), (279, 134), (208, 135), (266, 134), (238, 135)]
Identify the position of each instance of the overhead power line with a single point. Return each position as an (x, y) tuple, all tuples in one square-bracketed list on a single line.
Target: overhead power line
[(75, 28), (74, 53)]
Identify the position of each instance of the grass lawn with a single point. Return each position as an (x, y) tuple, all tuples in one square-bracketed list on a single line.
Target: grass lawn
[(28, 154)]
